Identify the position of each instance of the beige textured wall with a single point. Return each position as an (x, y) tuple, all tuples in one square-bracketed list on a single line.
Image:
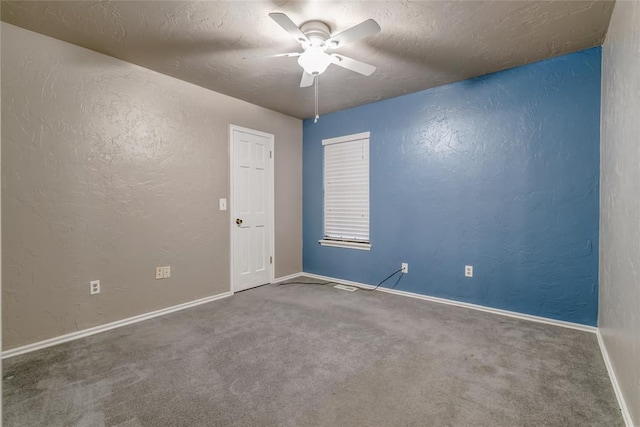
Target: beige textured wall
[(619, 317), (109, 170), (0, 227)]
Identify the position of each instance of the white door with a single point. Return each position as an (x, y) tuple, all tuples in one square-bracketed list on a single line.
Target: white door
[(251, 208)]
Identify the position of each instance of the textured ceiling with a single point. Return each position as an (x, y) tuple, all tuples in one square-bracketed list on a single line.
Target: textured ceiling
[(421, 45)]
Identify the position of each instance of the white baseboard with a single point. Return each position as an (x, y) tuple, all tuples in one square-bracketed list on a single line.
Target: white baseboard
[(108, 326), (508, 313), (626, 415), (285, 278)]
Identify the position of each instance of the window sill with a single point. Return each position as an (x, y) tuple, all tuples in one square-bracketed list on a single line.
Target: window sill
[(342, 244)]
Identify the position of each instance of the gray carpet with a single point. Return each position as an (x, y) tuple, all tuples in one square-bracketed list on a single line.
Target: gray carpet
[(300, 355)]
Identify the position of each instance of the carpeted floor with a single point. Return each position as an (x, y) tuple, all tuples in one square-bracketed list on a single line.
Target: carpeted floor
[(302, 355)]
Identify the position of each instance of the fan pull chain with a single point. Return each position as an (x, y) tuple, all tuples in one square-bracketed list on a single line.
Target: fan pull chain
[(317, 77)]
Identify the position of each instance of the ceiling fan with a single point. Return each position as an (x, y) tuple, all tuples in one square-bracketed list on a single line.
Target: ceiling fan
[(316, 39)]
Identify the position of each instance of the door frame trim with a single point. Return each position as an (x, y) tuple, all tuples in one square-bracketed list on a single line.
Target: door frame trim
[(271, 207)]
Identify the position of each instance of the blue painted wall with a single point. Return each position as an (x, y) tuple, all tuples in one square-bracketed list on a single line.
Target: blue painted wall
[(500, 172)]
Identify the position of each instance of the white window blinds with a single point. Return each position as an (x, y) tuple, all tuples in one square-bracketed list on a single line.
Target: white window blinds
[(346, 188)]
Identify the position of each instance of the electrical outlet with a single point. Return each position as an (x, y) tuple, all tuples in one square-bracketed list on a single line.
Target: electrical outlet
[(159, 273), (94, 287), (405, 268), (468, 270), (166, 271)]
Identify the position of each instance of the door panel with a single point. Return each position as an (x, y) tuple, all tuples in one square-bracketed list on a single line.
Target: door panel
[(251, 208), (260, 252)]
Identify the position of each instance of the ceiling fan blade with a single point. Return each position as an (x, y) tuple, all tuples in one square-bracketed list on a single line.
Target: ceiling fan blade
[(353, 65), (279, 55), (289, 26), (288, 55), (360, 31), (307, 79)]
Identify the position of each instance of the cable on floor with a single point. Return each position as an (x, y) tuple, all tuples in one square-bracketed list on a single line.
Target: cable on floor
[(355, 286)]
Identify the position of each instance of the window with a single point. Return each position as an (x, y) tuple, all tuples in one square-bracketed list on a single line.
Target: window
[(346, 191)]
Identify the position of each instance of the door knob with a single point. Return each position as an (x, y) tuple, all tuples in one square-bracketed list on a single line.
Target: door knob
[(238, 221)]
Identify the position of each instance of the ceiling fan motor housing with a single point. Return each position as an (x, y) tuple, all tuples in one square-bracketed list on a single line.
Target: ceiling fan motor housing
[(317, 32)]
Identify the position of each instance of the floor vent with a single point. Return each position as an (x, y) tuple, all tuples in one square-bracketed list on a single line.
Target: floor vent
[(346, 288)]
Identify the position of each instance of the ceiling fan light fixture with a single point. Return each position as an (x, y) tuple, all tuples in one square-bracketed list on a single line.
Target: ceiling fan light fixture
[(314, 60)]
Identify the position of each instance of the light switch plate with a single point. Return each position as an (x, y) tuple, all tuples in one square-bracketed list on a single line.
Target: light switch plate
[(223, 204), (166, 271)]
